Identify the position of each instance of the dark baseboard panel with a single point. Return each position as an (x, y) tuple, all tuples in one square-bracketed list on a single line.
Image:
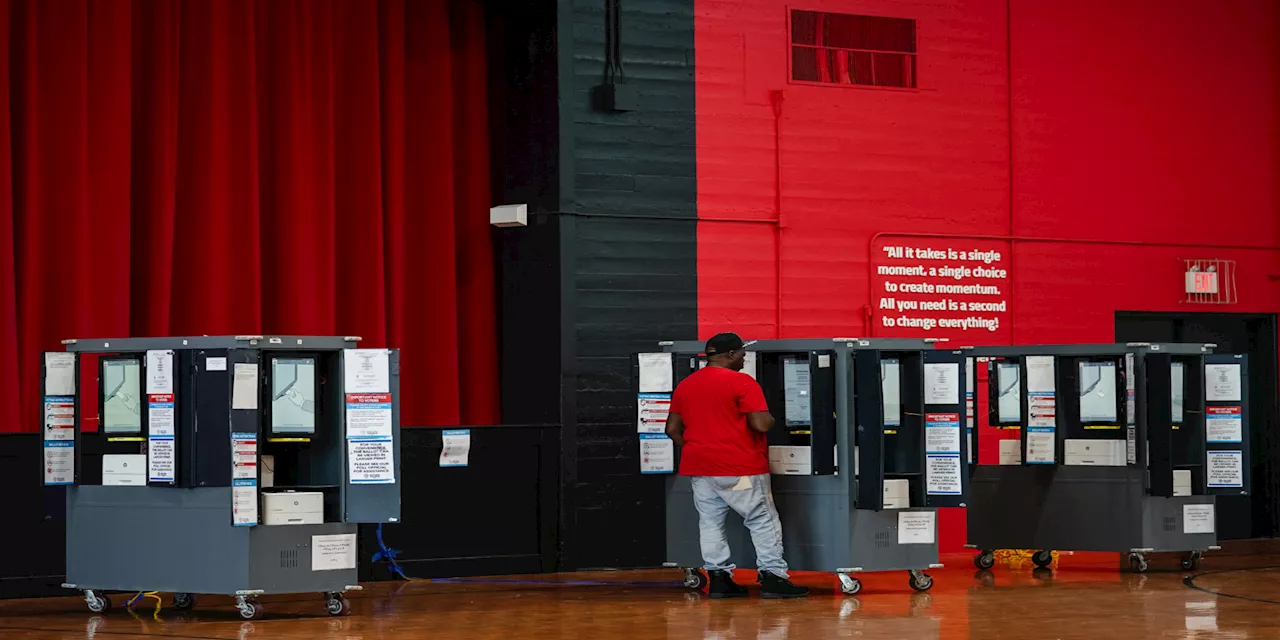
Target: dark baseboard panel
[(498, 515)]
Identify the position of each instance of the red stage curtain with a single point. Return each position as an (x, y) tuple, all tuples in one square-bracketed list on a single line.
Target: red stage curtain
[(247, 167)]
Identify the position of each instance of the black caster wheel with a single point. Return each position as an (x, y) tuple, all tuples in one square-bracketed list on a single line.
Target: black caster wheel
[(849, 585), (1138, 563), (1191, 561), (921, 581), (337, 606), (1042, 558), (984, 560), (249, 610), (184, 601), (98, 604), (695, 579)]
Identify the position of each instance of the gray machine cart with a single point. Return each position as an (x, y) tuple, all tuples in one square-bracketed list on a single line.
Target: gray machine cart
[(835, 521), (1081, 481), (202, 414)]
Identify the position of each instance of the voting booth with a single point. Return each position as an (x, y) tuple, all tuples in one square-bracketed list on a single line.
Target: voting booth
[(1119, 447), (866, 446), (221, 465)]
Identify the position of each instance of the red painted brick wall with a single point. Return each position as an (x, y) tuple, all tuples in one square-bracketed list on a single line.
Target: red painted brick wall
[(1148, 131)]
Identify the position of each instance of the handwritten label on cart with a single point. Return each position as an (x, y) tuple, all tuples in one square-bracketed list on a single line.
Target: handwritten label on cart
[(1197, 518), (916, 527), (333, 552)]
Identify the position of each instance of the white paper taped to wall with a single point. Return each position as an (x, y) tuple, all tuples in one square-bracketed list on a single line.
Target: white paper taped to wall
[(366, 371), (655, 373), (942, 383), (244, 386), (1222, 382), (59, 374)]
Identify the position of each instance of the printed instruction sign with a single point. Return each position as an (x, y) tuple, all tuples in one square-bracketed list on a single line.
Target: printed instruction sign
[(244, 456), (942, 383), (1224, 424), (942, 449), (333, 552), (162, 418), (371, 461), (366, 371), (652, 410), (244, 502), (60, 418), (657, 454), (457, 448), (368, 415), (160, 372), (916, 527), (1226, 469), (244, 475), (942, 433), (970, 383), (1042, 410), (943, 475), (161, 459), (59, 462), (1197, 518), (1222, 383)]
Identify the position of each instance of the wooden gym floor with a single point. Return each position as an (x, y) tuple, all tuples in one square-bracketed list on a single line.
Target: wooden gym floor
[(1232, 597)]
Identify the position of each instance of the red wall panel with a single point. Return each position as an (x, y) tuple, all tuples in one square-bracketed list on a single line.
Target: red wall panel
[(1099, 143)]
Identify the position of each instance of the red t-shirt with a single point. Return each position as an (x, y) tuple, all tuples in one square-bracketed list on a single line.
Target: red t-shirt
[(714, 403)]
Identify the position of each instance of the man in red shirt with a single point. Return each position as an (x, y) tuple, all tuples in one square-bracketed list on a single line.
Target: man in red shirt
[(719, 419)]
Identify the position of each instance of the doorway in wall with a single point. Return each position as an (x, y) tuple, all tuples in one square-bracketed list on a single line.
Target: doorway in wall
[(1256, 515)]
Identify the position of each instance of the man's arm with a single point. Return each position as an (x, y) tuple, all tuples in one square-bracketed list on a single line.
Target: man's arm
[(760, 421), (675, 429)]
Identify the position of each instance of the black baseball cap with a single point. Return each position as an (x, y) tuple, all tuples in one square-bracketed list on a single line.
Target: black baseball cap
[(725, 343)]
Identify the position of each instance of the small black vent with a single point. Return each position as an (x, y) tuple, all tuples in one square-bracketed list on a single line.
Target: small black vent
[(289, 559), (1170, 523), (842, 49), (883, 540)]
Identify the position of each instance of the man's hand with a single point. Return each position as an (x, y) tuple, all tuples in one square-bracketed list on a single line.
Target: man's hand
[(675, 429)]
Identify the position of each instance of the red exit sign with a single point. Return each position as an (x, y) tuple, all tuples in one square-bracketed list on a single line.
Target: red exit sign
[(1202, 282)]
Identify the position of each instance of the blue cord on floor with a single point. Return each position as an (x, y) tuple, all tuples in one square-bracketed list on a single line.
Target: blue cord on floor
[(390, 556)]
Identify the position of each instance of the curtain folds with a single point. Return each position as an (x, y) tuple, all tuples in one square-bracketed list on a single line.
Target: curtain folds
[(174, 167)]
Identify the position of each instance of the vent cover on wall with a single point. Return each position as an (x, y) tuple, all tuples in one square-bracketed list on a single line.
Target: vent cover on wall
[(842, 49)]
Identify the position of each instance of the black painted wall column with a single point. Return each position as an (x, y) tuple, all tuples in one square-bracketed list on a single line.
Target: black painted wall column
[(608, 265)]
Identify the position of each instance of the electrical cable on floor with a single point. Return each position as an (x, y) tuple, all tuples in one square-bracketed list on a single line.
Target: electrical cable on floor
[(390, 556), (147, 594)]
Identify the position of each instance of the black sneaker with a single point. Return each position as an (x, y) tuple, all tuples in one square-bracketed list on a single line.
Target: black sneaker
[(723, 586), (778, 587)]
